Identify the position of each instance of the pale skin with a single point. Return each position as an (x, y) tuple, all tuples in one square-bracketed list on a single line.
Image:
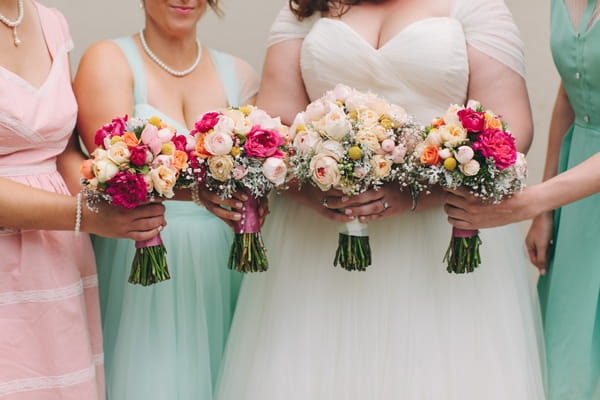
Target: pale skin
[(282, 93), (536, 201), (24, 207), (104, 83)]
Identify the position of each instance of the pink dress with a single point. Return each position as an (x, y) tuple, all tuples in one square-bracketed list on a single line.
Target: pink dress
[(50, 337)]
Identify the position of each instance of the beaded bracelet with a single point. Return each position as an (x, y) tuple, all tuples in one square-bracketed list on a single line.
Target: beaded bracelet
[(195, 191), (78, 214)]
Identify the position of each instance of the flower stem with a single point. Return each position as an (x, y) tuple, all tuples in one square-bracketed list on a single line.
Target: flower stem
[(353, 252)]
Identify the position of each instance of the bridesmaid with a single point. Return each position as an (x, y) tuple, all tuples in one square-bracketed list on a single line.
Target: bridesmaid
[(563, 244), (50, 339), (165, 341)]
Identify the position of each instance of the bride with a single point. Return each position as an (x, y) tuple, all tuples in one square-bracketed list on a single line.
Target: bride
[(405, 328)]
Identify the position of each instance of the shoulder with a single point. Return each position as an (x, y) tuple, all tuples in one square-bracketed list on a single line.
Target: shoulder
[(105, 59), (55, 22), (287, 26)]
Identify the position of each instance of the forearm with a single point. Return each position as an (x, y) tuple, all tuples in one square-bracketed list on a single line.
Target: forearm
[(24, 207), (69, 165), (562, 118)]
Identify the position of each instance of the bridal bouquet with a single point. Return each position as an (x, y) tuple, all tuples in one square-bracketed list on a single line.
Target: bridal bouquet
[(241, 149), (137, 161), (352, 141), (471, 147)]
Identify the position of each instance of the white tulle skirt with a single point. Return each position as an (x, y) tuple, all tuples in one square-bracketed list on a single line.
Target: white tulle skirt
[(404, 329)]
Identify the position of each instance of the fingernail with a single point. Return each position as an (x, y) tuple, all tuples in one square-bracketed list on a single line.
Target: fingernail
[(348, 211), (237, 217), (244, 197), (160, 228), (239, 205)]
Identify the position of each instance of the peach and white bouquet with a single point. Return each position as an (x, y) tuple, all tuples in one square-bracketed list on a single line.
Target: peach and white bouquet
[(352, 141), (241, 149), (470, 147), (137, 161)]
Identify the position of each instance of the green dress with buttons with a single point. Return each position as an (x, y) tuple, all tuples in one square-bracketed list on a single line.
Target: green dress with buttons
[(570, 292)]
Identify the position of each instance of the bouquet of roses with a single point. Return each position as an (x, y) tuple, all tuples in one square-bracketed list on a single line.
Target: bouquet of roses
[(137, 161), (471, 147), (352, 141), (241, 149)]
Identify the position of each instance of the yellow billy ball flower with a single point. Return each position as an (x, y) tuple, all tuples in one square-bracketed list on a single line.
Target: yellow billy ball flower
[(154, 120), (450, 163), (246, 109), (168, 149), (386, 123), (355, 153), (353, 115), (115, 139), (300, 128), (235, 151)]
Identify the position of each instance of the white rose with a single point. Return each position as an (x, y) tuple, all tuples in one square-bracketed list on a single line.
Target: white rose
[(218, 143), (163, 180), (444, 153), (520, 166), (397, 114), (220, 167), (225, 124), (316, 110), (381, 166), (306, 142), (119, 153), (368, 118), (99, 154), (380, 132), (331, 148), (341, 92), (298, 125), (165, 135), (275, 170), (388, 145), (164, 160), (335, 124), (149, 183), (452, 135), (434, 138), (260, 117), (239, 172), (473, 104), (369, 139), (471, 168), (325, 171), (361, 171), (450, 116), (464, 154), (398, 153), (104, 169)]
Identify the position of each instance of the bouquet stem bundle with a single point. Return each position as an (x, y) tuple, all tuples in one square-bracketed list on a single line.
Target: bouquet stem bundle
[(463, 251), (354, 250), (149, 264), (248, 252)]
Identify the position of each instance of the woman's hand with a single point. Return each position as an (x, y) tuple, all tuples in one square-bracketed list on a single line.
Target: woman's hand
[(141, 223), (229, 210), (374, 204), (325, 203), (466, 211), (539, 241)]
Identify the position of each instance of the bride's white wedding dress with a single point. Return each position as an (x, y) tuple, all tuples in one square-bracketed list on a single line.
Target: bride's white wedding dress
[(405, 328)]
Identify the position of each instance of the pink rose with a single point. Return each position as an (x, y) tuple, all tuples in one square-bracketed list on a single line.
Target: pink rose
[(127, 190), (218, 143), (275, 170), (117, 127), (499, 145), (138, 155), (263, 143), (150, 138), (206, 123), (471, 120)]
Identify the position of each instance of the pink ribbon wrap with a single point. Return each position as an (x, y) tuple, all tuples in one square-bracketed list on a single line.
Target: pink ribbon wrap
[(464, 233), (155, 241), (250, 222)]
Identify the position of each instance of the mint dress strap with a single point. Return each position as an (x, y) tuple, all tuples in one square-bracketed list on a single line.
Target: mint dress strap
[(136, 64)]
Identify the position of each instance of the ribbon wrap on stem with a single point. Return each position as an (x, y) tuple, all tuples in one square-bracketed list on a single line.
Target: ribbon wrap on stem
[(248, 253)]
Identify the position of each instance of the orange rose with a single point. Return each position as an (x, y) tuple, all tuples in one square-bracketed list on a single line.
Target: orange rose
[(180, 159), (430, 155), (130, 139), (199, 149), (492, 123), (86, 169), (438, 122)]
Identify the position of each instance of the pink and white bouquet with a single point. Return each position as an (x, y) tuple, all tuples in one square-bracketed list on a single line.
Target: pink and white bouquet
[(352, 141), (241, 149), (137, 161), (470, 147)]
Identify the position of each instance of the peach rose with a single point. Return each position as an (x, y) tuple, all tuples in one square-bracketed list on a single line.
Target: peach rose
[(130, 139), (180, 159), (325, 171), (275, 170), (86, 169), (381, 166), (218, 143), (163, 180), (220, 167)]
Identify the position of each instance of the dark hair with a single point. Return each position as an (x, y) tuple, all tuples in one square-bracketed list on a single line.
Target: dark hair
[(214, 4), (306, 8)]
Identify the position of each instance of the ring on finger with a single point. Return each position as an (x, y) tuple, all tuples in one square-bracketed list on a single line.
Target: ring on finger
[(324, 202), (385, 204)]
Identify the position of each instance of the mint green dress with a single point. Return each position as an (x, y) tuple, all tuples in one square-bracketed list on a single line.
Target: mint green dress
[(570, 291), (165, 341)]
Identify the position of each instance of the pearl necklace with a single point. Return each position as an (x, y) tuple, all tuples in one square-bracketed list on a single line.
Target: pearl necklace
[(164, 66), (16, 22)]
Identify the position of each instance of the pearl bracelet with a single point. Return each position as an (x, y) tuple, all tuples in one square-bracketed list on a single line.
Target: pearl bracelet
[(195, 191), (78, 214)]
